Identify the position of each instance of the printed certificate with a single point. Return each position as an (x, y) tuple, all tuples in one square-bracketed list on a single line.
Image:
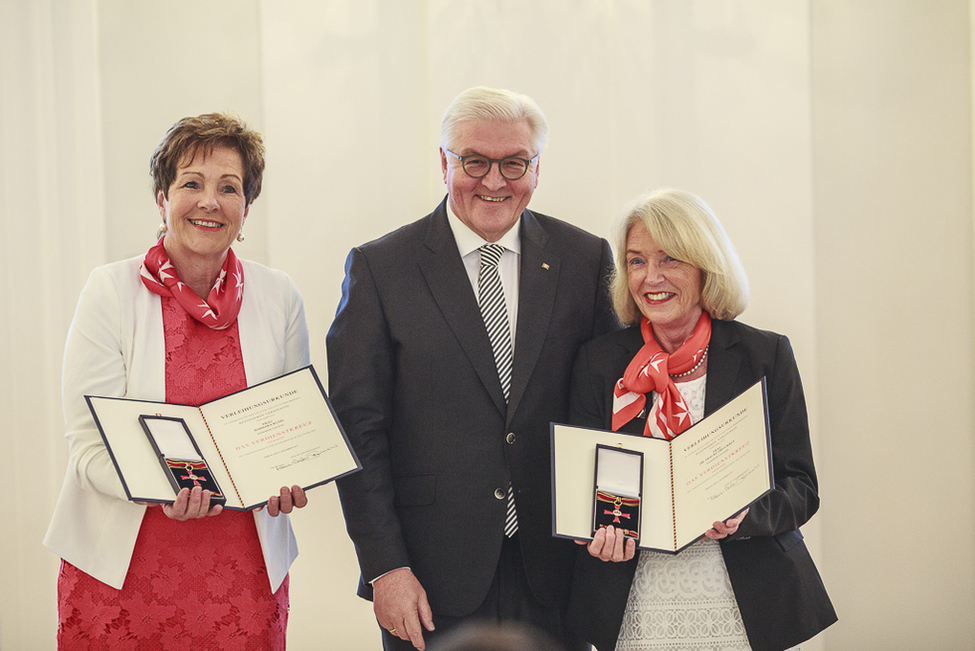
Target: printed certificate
[(282, 432), (708, 473)]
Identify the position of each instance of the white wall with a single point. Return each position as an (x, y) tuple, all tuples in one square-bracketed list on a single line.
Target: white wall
[(160, 61), (832, 138), (52, 231), (893, 233)]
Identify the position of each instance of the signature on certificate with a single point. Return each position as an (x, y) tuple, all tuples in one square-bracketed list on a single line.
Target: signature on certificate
[(304, 456)]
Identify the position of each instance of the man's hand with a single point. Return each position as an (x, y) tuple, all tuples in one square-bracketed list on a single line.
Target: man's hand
[(401, 606)]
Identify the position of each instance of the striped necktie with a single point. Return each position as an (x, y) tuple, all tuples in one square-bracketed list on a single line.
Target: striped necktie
[(494, 310)]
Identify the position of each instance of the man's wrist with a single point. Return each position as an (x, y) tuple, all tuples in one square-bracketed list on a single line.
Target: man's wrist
[(395, 569)]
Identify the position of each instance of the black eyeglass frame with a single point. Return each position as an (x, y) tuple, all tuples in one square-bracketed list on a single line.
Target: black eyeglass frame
[(491, 162)]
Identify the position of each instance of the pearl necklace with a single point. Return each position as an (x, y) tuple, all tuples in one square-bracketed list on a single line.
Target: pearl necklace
[(696, 366)]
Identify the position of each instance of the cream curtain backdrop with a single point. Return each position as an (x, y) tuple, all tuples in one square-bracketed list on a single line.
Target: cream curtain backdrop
[(832, 137)]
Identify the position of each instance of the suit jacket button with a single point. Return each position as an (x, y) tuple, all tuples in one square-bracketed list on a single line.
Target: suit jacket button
[(510, 438), (498, 493)]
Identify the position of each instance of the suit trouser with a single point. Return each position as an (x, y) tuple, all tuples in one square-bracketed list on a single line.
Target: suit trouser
[(509, 599)]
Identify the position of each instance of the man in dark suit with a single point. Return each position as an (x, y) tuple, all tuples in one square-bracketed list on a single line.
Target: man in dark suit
[(447, 362)]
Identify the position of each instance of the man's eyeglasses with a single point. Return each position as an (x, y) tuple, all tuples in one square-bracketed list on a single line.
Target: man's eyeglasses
[(477, 166)]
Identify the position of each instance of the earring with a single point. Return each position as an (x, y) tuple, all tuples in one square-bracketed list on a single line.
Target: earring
[(163, 227), (240, 236)]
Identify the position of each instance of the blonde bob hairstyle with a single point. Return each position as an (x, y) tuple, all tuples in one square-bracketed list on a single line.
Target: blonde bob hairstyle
[(685, 228), (483, 104)]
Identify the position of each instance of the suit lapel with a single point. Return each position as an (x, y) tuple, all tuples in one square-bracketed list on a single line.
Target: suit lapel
[(629, 345), (538, 281), (446, 277), (724, 363)]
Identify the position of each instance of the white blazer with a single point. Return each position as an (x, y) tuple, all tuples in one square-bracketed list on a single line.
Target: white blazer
[(115, 347)]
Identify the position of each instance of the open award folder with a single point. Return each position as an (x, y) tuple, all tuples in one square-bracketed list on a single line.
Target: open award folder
[(664, 493), (242, 447)]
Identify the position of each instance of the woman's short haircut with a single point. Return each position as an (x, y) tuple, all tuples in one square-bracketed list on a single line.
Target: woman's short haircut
[(484, 104), (685, 228), (184, 139)]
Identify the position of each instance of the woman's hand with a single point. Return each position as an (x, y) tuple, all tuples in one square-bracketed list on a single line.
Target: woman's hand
[(726, 528), (286, 501), (610, 544), (191, 504)]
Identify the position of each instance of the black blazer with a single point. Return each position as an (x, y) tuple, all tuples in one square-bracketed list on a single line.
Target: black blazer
[(779, 591), (414, 383)]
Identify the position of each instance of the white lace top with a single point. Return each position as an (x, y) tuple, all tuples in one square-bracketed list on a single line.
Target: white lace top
[(683, 602)]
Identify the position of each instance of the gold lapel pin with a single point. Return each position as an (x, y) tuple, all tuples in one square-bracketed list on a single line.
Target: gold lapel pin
[(544, 265)]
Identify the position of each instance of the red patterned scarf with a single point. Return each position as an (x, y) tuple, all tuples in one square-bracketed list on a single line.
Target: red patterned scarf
[(221, 307), (650, 370)]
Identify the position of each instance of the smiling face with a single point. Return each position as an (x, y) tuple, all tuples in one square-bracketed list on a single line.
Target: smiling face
[(205, 209), (667, 291), (492, 204)]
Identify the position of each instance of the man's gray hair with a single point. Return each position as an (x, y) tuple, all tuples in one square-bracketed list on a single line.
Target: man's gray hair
[(485, 104)]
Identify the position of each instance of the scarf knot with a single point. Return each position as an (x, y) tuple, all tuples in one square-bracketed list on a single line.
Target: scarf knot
[(219, 310), (650, 370)]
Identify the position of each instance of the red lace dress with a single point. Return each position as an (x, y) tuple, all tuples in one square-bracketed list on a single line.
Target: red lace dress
[(200, 584)]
